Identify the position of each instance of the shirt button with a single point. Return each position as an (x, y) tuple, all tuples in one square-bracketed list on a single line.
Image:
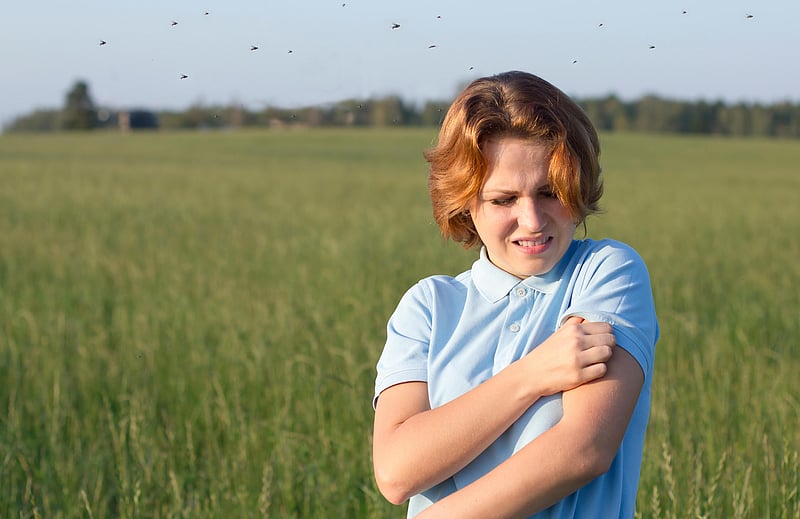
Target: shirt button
[(520, 291), (514, 328)]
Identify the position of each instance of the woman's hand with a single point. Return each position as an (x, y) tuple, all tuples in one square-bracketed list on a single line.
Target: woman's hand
[(575, 354)]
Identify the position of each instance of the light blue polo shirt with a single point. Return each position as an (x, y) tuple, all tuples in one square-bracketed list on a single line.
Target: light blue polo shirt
[(455, 333)]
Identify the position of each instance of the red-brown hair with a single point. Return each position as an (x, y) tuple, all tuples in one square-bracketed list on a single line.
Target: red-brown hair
[(518, 105)]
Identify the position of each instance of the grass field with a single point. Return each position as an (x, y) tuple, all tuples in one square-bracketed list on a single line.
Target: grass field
[(189, 322)]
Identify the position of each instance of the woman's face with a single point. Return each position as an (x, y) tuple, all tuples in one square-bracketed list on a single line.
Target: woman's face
[(525, 229)]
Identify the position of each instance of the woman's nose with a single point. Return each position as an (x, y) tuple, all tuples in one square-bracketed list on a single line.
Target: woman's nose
[(531, 215)]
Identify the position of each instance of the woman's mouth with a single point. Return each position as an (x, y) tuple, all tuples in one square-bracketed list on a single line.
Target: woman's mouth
[(534, 246)]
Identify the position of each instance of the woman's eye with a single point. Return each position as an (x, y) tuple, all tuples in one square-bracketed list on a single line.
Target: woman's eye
[(549, 193), (503, 201)]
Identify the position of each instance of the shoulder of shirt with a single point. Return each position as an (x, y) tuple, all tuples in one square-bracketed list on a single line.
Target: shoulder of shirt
[(443, 283), (607, 248), (607, 253)]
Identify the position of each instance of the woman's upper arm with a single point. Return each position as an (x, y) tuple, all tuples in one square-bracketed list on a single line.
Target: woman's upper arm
[(618, 292), (394, 406), (398, 403), (598, 413)]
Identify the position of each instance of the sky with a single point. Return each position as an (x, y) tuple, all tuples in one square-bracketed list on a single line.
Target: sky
[(320, 51)]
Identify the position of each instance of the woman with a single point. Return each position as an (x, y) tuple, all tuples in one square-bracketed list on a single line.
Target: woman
[(521, 387)]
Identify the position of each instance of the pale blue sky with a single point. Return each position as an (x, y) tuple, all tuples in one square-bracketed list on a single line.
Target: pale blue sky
[(714, 51)]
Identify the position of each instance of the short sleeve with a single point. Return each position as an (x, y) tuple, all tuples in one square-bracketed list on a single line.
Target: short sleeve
[(408, 332), (613, 286)]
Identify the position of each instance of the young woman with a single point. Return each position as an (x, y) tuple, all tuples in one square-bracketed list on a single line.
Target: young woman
[(521, 387)]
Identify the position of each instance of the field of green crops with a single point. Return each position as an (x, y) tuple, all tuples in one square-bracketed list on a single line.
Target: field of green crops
[(189, 322)]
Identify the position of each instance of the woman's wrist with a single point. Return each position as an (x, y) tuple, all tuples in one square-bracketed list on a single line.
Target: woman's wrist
[(524, 387)]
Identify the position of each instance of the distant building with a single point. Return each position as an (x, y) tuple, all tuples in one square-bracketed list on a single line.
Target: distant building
[(137, 120)]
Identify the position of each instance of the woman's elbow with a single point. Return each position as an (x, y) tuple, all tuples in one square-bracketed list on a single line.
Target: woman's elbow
[(599, 466), (596, 462), (394, 489)]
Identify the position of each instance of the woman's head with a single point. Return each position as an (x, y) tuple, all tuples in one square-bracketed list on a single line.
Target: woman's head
[(516, 105)]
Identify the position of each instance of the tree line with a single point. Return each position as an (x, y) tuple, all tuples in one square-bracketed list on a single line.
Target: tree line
[(610, 113)]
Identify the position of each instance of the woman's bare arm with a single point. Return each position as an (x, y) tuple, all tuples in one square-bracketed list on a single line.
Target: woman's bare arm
[(561, 460), (416, 447)]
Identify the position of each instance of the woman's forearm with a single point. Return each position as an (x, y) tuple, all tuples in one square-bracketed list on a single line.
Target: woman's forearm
[(433, 444)]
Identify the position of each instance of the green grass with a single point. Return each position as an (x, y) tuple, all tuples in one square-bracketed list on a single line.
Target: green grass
[(189, 322)]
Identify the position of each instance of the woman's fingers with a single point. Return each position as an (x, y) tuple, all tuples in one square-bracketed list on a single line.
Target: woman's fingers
[(597, 354), (594, 371), (581, 325), (593, 361), (590, 334), (593, 328)]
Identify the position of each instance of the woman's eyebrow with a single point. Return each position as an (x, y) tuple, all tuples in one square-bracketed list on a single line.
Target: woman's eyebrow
[(510, 191), (499, 190)]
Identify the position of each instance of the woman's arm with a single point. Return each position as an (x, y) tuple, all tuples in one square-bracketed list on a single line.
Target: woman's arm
[(416, 447), (561, 460)]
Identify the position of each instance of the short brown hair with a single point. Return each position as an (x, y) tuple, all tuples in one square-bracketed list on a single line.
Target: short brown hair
[(520, 105)]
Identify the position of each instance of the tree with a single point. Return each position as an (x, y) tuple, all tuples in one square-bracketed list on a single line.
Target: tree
[(79, 112), (433, 113), (37, 121), (738, 119), (761, 120), (620, 115), (388, 111)]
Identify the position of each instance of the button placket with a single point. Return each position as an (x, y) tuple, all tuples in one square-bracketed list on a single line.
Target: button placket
[(510, 334), (520, 291)]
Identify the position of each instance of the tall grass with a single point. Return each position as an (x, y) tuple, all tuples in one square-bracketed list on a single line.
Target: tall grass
[(717, 222), (189, 322)]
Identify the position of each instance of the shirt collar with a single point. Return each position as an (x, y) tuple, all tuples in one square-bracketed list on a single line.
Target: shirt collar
[(494, 283)]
